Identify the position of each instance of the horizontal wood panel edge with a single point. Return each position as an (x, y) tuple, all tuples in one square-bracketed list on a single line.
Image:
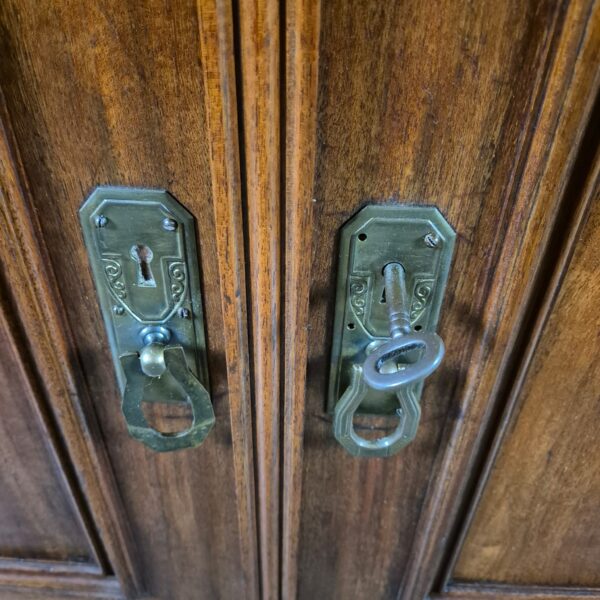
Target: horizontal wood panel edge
[(47, 566), (53, 585), (507, 592)]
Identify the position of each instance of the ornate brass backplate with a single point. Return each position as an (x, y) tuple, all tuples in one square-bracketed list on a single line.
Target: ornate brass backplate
[(142, 250), (417, 237)]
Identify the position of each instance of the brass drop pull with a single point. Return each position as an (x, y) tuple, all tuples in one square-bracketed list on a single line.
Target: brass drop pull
[(142, 249), (393, 267), (375, 375), (156, 359)]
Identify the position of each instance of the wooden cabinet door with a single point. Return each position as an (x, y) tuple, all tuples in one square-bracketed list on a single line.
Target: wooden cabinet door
[(482, 109), (135, 94), (532, 526), (274, 123)]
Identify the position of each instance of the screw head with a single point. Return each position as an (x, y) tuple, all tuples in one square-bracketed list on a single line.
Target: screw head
[(184, 313), (432, 240), (118, 310), (101, 221), (169, 224)]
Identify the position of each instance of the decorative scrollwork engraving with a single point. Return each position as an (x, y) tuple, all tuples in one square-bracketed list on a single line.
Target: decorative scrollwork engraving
[(421, 296), (114, 275), (358, 295), (178, 280)]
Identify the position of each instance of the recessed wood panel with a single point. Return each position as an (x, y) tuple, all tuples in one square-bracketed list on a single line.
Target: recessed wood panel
[(423, 103), (113, 93), (537, 522), (38, 517)]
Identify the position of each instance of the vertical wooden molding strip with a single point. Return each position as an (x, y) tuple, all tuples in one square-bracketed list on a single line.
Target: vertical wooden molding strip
[(50, 346), (567, 95), (260, 62), (217, 55), (301, 68)]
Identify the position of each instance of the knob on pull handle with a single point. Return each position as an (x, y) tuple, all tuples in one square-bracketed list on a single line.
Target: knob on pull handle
[(401, 380)]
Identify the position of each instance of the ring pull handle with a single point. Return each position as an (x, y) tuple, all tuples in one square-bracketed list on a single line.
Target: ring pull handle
[(156, 359), (409, 413), (402, 381)]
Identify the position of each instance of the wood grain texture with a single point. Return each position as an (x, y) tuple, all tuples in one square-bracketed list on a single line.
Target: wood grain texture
[(260, 82), (537, 521), (217, 50), (510, 592), (44, 342), (301, 74), (46, 586), (39, 517), (573, 84), (47, 567), (112, 93), (433, 105)]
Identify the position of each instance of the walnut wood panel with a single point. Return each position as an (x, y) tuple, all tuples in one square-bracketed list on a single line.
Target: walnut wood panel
[(301, 71), (537, 521), (43, 341), (432, 104), (39, 519), (259, 67), (112, 92), (551, 166)]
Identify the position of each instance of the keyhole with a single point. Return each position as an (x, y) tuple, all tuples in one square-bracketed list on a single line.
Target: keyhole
[(143, 256), (382, 299)]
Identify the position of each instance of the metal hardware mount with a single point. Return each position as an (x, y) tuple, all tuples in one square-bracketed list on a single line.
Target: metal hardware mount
[(393, 267), (142, 249)]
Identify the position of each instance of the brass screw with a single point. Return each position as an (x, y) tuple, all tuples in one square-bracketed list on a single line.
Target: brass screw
[(169, 224), (101, 221), (432, 240)]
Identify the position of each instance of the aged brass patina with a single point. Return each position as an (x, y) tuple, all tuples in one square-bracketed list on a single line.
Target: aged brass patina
[(393, 267), (142, 250)]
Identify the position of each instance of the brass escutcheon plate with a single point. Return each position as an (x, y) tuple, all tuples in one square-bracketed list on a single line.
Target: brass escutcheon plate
[(142, 249), (421, 240)]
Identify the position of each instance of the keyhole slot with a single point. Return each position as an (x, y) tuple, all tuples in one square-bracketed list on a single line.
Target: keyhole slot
[(143, 255)]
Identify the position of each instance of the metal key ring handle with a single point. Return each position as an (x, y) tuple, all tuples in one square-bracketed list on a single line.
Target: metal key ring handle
[(433, 353), (154, 360), (402, 381)]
